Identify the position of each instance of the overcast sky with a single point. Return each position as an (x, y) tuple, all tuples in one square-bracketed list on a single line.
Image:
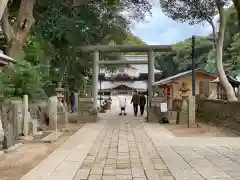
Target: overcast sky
[(160, 29)]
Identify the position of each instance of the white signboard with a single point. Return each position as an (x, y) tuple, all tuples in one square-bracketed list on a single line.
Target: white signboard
[(163, 107)]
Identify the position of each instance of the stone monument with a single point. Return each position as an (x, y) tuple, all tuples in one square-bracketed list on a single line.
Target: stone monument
[(86, 111), (25, 119), (183, 113), (52, 112), (61, 108)]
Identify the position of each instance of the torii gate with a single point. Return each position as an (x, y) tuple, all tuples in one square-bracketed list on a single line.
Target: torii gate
[(149, 49)]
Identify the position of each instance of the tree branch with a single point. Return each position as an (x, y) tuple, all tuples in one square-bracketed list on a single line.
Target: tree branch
[(6, 27), (214, 33), (3, 6)]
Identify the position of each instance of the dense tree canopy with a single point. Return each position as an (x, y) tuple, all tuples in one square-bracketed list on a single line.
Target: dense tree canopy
[(49, 32)]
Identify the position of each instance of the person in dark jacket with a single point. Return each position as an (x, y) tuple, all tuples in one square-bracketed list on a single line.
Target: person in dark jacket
[(135, 102), (142, 103), (73, 102)]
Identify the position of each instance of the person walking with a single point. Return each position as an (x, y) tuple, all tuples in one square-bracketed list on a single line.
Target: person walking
[(73, 102), (135, 102), (122, 105), (142, 103)]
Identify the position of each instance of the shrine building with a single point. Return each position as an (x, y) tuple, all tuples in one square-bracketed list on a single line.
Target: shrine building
[(126, 79)]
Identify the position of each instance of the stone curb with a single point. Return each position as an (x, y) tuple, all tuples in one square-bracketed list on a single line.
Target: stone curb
[(51, 137), (1, 153)]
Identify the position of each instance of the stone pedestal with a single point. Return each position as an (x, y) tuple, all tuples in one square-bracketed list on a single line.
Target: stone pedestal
[(25, 118), (63, 119), (191, 111), (32, 127), (87, 112), (154, 112), (52, 112), (43, 115), (76, 101), (18, 117)]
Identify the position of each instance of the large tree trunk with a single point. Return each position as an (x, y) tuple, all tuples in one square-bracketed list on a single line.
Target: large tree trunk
[(237, 7), (214, 33), (3, 5), (219, 50), (17, 34)]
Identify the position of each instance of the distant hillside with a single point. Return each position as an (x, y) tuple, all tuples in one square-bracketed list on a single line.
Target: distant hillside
[(131, 39)]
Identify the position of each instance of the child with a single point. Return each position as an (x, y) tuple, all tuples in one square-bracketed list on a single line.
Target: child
[(122, 104)]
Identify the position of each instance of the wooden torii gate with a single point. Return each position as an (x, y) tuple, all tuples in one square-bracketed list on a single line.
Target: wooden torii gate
[(149, 49)]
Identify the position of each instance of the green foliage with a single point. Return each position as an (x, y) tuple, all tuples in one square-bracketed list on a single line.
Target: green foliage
[(205, 53), (21, 78), (131, 39), (181, 59), (191, 11), (235, 53), (51, 54)]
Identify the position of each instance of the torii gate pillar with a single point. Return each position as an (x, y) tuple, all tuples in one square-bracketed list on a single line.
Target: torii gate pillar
[(95, 73)]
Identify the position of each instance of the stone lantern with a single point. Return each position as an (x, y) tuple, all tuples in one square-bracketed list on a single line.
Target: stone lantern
[(184, 89), (60, 97), (60, 94)]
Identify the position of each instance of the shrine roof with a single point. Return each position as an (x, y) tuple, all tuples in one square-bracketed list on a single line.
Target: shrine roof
[(141, 68), (134, 85), (185, 73)]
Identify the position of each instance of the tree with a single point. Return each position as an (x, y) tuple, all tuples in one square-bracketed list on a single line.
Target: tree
[(3, 5), (16, 23), (197, 11), (18, 18)]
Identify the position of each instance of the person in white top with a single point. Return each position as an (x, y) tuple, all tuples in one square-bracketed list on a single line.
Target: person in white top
[(122, 104)]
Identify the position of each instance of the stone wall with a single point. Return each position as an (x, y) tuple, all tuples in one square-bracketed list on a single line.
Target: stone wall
[(219, 112)]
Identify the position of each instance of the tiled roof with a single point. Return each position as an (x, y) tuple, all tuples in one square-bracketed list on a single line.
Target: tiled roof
[(142, 85)]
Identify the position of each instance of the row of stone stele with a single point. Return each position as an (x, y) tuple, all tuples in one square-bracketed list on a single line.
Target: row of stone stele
[(39, 121)]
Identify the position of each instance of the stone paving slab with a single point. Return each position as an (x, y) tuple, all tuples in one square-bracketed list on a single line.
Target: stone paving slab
[(65, 160), (125, 147), (198, 158)]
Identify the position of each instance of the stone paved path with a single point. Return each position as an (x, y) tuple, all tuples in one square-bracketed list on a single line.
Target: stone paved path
[(118, 148)]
